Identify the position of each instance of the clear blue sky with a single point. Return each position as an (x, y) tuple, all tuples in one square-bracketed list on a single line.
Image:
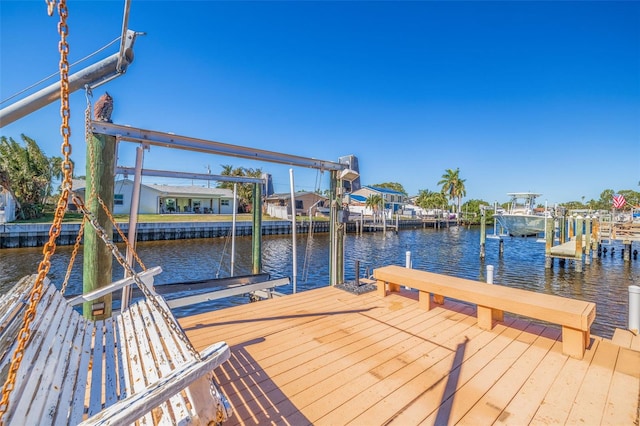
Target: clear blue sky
[(521, 96)]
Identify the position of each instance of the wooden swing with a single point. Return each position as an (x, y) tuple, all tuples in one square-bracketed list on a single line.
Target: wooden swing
[(137, 366)]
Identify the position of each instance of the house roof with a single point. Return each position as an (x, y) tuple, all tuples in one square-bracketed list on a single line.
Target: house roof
[(190, 190), (287, 195), (384, 190), (168, 190), (358, 198)]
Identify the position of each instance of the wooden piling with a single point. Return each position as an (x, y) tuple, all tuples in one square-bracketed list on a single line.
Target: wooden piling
[(97, 259), (578, 231), (587, 241), (549, 234)]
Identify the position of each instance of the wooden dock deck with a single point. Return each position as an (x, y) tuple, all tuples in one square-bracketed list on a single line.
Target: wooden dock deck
[(328, 357)]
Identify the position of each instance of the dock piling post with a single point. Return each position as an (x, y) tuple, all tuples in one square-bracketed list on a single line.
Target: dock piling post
[(587, 241), (626, 254), (97, 261), (634, 308), (549, 236), (489, 274), (579, 242), (483, 224)]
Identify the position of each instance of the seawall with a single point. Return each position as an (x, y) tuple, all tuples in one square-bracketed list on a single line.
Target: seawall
[(36, 235)]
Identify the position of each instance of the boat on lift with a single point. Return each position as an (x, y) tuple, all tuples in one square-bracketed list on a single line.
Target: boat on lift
[(520, 219)]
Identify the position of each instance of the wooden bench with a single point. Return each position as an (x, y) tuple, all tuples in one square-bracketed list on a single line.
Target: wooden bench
[(132, 366), (575, 316)]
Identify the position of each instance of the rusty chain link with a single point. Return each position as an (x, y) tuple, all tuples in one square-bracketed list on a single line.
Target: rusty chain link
[(74, 253), (54, 231)]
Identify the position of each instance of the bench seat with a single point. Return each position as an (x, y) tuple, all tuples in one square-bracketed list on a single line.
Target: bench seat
[(575, 316)]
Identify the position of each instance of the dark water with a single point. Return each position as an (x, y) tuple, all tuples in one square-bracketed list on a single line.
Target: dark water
[(453, 251)]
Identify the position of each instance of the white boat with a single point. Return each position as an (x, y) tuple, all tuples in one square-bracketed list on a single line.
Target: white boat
[(520, 218)]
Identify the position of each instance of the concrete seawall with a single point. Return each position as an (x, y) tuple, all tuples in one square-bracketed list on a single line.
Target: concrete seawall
[(36, 235)]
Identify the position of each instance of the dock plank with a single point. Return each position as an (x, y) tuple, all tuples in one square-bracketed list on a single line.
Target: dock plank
[(329, 357)]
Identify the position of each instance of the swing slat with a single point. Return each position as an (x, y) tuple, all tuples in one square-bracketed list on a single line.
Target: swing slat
[(132, 367)]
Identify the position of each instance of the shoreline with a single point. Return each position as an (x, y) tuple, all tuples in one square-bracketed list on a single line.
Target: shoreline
[(36, 235)]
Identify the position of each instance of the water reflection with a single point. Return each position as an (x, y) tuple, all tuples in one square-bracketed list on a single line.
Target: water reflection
[(453, 251)]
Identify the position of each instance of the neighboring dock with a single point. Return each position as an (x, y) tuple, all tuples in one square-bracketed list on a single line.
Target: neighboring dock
[(328, 357)]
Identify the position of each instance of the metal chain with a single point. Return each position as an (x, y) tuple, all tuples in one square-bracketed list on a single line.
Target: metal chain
[(166, 315), (74, 253), (94, 193), (54, 231)]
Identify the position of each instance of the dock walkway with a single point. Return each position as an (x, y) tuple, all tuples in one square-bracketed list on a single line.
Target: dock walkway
[(328, 357)]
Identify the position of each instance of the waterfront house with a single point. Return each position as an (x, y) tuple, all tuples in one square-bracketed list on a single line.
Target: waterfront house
[(394, 201), (279, 205), (161, 199), (7, 207)]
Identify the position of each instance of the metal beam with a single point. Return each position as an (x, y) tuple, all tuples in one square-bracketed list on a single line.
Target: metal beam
[(91, 76), (170, 140), (185, 175)]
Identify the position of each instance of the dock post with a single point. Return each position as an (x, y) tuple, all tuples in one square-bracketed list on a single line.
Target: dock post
[(579, 242), (587, 241), (549, 235), (256, 233), (407, 259), (98, 260), (483, 225), (634, 308), (563, 228), (489, 274), (626, 254)]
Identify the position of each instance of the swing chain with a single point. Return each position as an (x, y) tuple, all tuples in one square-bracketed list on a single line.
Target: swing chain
[(168, 318), (54, 231), (74, 253)]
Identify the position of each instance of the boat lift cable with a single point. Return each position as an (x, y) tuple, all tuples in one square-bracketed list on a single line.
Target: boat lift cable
[(92, 76), (224, 251), (56, 74)]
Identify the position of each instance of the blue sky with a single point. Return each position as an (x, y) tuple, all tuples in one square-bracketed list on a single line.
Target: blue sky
[(521, 96)]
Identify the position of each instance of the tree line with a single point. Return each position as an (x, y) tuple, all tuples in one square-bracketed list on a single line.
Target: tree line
[(27, 174)]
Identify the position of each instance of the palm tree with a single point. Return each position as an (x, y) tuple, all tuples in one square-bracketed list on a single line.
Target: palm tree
[(453, 186), (245, 190), (374, 201)]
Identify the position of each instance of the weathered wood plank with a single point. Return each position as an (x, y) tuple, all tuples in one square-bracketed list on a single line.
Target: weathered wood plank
[(37, 350), (591, 401), (624, 390), (82, 381), (557, 403)]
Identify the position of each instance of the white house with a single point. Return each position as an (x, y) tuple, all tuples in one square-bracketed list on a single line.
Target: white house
[(7, 207), (168, 199)]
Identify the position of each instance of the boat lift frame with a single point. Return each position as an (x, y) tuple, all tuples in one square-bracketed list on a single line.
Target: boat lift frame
[(338, 172)]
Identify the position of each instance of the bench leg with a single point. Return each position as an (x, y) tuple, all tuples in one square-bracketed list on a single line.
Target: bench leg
[(574, 342), (424, 301), (382, 288), (486, 316)]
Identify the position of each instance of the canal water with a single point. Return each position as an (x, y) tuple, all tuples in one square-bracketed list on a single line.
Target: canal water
[(453, 251)]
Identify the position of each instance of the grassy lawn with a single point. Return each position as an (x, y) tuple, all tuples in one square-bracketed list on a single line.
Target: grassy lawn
[(71, 217)]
